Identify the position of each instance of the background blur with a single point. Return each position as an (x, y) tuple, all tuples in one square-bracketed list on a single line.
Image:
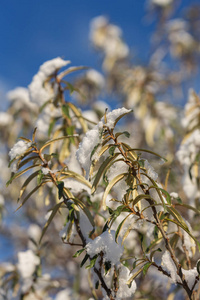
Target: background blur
[(32, 32)]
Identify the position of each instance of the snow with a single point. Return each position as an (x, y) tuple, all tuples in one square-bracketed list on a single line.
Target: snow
[(162, 2), (85, 225), (106, 243), (27, 262), (124, 291), (2, 201), (5, 119), (190, 276), (92, 139), (174, 195), (113, 115), (95, 77), (41, 91), (20, 98), (45, 171), (150, 170), (189, 149), (19, 148), (64, 233), (169, 265), (64, 295)]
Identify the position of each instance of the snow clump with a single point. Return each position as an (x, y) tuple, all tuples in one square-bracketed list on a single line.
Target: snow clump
[(93, 138), (40, 90), (27, 262), (106, 243)]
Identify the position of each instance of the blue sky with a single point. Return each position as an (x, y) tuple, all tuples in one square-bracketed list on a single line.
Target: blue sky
[(33, 31)]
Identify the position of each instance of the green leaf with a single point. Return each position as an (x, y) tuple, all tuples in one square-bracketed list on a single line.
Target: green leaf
[(65, 110), (44, 105), (146, 267), (107, 266), (97, 284), (110, 185), (112, 150), (92, 262), (84, 259), (51, 126), (54, 211), (39, 177), (60, 186)]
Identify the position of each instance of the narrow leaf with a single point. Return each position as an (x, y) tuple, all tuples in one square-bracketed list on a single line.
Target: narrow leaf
[(146, 267), (104, 166), (110, 185), (134, 276), (26, 182), (78, 253), (120, 227), (55, 140), (121, 116), (54, 211), (16, 175)]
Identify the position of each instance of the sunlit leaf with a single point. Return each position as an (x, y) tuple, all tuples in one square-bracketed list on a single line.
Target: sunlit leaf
[(104, 166), (140, 197), (110, 185), (78, 177), (16, 175), (55, 140), (120, 227), (126, 133), (26, 182), (29, 195), (121, 116), (134, 276), (148, 151), (78, 114), (53, 213), (185, 229)]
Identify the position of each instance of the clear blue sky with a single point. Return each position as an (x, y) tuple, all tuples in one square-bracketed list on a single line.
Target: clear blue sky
[(33, 31)]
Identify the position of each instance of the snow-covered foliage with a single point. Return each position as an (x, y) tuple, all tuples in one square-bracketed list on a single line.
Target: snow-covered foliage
[(104, 213)]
